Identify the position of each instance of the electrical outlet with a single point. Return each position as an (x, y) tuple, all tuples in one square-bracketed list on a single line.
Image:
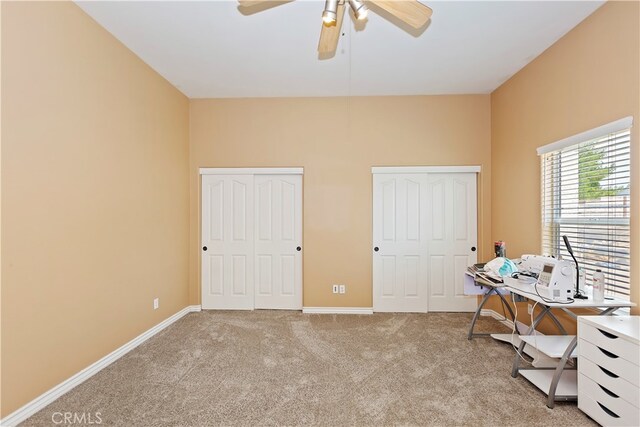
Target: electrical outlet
[(529, 308), (156, 303), (343, 289), (335, 289)]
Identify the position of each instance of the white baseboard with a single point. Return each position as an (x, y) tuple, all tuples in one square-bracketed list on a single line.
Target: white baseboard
[(337, 310), (49, 396)]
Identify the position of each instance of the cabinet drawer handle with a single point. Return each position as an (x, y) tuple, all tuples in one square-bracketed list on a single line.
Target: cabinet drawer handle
[(608, 353), (607, 334), (609, 392), (608, 411), (608, 372)]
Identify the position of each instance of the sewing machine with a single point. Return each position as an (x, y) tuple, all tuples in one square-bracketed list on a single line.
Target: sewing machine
[(555, 278)]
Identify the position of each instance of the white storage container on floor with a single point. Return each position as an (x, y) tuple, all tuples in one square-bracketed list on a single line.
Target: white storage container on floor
[(609, 369)]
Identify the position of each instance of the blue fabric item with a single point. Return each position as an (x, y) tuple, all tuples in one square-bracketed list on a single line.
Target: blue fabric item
[(508, 268)]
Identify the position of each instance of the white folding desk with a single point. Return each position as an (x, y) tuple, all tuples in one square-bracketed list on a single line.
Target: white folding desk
[(557, 383)]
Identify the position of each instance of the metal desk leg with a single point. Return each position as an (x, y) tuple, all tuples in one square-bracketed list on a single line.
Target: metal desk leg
[(513, 316), (558, 373), (561, 328), (609, 311), (516, 360), (477, 314)]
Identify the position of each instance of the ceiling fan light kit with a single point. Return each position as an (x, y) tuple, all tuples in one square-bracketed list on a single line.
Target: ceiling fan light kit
[(410, 12), (330, 15), (359, 9)]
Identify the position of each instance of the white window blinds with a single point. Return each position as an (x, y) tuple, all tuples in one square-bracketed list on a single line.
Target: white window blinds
[(585, 196)]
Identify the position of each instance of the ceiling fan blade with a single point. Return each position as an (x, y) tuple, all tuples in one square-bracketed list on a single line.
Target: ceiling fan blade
[(412, 12), (329, 36), (249, 7), (250, 3)]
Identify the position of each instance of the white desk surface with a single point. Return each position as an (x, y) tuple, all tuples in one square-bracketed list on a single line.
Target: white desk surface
[(528, 291)]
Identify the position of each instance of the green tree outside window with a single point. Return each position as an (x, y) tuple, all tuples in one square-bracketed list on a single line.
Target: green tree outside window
[(591, 173)]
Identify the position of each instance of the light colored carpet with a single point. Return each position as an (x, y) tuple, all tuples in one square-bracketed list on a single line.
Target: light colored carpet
[(288, 368)]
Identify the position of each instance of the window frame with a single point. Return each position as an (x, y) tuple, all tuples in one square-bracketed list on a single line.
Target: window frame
[(551, 208)]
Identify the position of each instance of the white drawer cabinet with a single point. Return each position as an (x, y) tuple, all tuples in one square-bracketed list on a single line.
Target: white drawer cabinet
[(609, 369)]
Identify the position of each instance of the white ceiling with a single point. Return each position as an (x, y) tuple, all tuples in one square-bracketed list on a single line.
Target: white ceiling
[(209, 49)]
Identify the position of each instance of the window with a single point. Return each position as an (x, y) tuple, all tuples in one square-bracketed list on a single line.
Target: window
[(586, 196)]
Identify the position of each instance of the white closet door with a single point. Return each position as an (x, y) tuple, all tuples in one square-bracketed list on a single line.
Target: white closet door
[(228, 240), (278, 242), (400, 246), (452, 228)]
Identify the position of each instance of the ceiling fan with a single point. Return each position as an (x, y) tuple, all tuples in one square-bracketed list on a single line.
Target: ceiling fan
[(411, 12)]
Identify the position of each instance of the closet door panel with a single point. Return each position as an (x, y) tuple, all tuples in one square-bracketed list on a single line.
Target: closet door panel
[(227, 242), (400, 261), (279, 224), (452, 220)]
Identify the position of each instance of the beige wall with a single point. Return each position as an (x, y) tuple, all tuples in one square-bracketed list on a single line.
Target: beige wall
[(96, 171), (337, 140), (94, 196), (588, 78), (0, 214)]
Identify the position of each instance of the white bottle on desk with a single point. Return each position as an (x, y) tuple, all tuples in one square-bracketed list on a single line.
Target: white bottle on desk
[(598, 286)]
